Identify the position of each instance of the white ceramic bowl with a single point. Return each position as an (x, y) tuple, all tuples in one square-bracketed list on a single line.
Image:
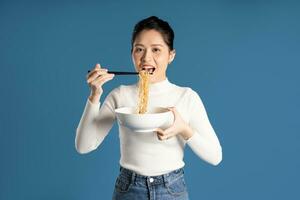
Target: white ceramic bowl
[(155, 117)]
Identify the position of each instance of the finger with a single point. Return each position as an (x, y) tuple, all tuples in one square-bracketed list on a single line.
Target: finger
[(107, 79), (97, 66), (96, 70), (160, 134), (171, 108), (165, 137), (101, 80), (159, 131), (95, 74), (169, 130), (160, 137), (104, 76), (174, 111)]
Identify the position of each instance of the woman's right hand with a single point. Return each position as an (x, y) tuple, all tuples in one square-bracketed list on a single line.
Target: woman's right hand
[(96, 78)]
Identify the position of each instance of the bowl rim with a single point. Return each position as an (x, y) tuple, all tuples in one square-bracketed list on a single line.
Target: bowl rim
[(137, 114)]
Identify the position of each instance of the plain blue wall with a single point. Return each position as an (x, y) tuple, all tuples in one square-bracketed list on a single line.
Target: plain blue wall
[(242, 57)]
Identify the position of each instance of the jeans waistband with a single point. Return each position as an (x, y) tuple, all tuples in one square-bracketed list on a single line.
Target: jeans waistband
[(154, 180)]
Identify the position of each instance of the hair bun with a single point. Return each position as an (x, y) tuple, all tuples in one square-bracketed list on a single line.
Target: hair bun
[(153, 17), (153, 22)]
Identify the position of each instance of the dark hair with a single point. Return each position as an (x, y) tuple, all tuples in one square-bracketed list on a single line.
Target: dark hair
[(157, 24)]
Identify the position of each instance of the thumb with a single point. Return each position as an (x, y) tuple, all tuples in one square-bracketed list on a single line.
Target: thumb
[(171, 108), (174, 112), (97, 66)]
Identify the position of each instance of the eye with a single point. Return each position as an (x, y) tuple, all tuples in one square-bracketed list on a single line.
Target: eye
[(156, 50), (138, 50)]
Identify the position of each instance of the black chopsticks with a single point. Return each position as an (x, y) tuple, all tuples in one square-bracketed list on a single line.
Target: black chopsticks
[(120, 73)]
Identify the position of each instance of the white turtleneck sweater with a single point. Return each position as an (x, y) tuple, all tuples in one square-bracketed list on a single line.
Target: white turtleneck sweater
[(144, 153)]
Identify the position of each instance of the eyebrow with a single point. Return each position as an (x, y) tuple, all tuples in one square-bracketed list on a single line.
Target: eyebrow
[(151, 45)]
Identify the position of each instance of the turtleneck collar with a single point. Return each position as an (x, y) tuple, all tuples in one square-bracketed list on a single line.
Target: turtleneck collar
[(159, 86)]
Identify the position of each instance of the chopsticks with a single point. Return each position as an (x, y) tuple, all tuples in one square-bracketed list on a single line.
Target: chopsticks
[(120, 73)]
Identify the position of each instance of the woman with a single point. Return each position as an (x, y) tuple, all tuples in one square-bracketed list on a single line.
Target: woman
[(151, 165)]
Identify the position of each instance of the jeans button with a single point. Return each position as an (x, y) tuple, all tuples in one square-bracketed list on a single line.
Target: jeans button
[(151, 180)]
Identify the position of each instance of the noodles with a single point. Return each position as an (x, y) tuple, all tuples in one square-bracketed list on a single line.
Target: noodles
[(143, 91)]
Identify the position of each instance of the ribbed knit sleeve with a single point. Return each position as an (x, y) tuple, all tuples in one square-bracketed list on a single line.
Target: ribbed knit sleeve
[(95, 123), (204, 141)]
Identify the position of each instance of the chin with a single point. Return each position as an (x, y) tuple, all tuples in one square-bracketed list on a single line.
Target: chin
[(151, 80)]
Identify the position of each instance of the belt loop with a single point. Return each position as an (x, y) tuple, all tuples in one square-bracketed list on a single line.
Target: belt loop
[(165, 179), (133, 175)]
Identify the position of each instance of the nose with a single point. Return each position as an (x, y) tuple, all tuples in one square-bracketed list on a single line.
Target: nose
[(147, 56)]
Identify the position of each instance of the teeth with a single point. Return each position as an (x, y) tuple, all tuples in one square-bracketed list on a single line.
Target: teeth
[(149, 69)]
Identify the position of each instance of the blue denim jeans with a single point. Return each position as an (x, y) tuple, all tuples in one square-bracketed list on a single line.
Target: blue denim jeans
[(132, 186)]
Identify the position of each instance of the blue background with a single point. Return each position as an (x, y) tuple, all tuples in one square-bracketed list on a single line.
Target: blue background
[(242, 57)]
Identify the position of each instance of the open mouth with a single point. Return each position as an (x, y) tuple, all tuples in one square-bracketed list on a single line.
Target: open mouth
[(149, 69)]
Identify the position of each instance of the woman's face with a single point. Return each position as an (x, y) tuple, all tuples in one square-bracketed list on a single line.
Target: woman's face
[(150, 51)]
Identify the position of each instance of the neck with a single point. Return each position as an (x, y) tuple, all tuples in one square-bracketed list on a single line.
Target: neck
[(157, 80)]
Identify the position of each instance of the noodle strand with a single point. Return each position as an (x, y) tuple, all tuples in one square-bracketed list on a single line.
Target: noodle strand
[(143, 91)]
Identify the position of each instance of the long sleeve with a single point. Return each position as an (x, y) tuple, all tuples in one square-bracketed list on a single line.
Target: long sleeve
[(94, 125), (204, 141)]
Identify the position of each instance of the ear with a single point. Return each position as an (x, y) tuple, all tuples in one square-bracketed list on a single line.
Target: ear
[(172, 55)]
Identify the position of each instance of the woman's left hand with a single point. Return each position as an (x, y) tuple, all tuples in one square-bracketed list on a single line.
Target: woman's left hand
[(178, 127)]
